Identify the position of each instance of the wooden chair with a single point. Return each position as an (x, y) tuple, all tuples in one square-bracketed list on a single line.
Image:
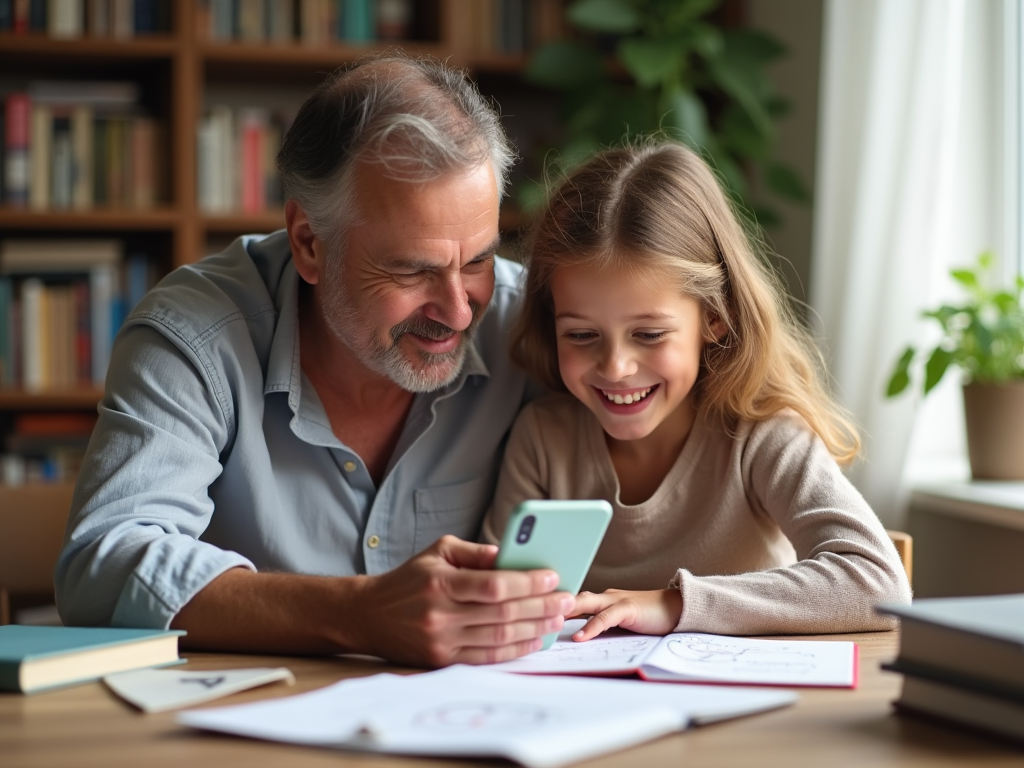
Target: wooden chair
[(904, 543), (32, 522)]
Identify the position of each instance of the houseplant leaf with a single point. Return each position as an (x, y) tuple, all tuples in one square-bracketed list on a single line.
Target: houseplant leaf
[(617, 16), (564, 64), (900, 378), (936, 367), (650, 61)]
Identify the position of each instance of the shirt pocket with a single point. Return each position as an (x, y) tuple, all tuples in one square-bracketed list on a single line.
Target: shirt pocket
[(456, 509)]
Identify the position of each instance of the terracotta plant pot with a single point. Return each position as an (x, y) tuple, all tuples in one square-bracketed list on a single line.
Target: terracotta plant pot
[(995, 430)]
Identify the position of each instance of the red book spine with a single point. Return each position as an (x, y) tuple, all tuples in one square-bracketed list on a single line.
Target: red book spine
[(17, 117), (83, 334), (253, 192)]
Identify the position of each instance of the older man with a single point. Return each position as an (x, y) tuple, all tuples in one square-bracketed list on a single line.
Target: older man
[(290, 427)]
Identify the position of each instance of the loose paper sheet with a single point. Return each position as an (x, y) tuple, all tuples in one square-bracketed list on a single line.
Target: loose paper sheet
[(540, 722), (158, 690)]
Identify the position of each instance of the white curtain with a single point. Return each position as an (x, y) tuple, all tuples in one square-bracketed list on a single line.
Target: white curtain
[(909, 183)]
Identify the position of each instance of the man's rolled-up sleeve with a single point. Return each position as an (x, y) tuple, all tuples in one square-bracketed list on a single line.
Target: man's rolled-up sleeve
[(132, 555)]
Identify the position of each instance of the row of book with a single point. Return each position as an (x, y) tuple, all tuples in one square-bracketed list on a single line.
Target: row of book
[(962, 661), (235, 159), (61, 303), (510, 26), (315, 22), (79, 145), (71, 19), (503, 26)]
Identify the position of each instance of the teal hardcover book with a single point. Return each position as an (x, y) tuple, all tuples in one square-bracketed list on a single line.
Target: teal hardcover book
[(37, 658)]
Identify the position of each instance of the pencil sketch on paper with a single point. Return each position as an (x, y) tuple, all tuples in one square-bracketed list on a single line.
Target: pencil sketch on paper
[(701, 650), (482, 715)]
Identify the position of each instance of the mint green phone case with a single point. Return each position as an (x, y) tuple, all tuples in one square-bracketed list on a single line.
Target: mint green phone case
[(560, 535)]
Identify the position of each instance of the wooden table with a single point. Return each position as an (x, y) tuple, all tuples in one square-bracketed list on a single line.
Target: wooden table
[(88, 726)]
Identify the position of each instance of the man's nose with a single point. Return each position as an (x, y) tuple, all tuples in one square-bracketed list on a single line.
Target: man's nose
[(450, 304)]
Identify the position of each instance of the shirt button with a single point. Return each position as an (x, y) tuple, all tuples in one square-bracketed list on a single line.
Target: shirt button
[(373, 541), (350, 466)]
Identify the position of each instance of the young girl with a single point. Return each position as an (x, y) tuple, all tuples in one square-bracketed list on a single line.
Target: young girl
[(688, 396)]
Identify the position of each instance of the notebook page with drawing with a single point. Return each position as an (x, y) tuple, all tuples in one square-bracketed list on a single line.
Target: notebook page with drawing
[(693, 657)]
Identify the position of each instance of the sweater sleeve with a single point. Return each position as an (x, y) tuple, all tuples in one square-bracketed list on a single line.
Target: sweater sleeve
[(523, 474), (846, 562)]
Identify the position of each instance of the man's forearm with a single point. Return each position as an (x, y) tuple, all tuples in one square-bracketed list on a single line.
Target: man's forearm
[(271, 613)]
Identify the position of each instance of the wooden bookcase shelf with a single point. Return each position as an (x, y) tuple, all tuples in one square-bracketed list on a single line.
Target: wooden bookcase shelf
[(71, 399), (155, 219), (180, 75)]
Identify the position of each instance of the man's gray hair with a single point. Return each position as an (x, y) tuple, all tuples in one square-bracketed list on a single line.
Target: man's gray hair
[(416, 119)]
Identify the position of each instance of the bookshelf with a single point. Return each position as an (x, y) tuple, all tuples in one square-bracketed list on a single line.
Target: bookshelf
[(179, 71)]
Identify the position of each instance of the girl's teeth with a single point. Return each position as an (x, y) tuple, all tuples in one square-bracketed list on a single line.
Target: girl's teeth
[(629, 399)]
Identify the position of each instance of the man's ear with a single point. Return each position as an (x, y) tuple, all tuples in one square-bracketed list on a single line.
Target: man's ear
[(307, 248)]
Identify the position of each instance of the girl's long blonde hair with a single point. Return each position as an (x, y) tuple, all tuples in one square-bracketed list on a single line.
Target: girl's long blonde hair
[(657, 207)]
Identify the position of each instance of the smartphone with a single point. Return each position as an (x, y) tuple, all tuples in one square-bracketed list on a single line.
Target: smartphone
[(560, 535)]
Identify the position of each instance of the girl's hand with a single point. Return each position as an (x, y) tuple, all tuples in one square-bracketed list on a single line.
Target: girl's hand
[(654, 612)]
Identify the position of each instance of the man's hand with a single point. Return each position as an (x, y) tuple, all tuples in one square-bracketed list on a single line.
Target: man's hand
[(446, 606), (654, 612)]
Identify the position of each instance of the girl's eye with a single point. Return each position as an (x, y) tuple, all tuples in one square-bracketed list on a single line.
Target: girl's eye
[(580, 336), (650, 335)]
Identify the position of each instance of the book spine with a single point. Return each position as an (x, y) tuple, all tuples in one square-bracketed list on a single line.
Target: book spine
[(61, 164), (102, 295), (83, 340), (20, 17), (360, 20), (65, 18), (6, 15), (37, 10), (17, 121), (253, 132), (281, 21), (394, 19), (143, 151), (145, 12), (122, 18), (7, 379), (82, 157), (100, 162), (98, 19), (32, 321), (137, 280), (39, 157)]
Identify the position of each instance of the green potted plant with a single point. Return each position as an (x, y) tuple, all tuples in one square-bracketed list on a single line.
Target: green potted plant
[(983, 337), (639, 67)]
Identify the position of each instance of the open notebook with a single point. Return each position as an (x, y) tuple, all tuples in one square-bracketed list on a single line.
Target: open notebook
[(539, 722), (691, 657)]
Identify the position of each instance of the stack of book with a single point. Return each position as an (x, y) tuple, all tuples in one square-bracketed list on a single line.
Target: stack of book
[(963, 660), (80, 145)]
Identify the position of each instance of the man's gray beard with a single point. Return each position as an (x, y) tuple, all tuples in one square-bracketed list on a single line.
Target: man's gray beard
[(436, 370)]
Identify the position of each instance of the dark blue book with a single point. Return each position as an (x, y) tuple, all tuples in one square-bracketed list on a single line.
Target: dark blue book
[(145, 17), (38, 658), (6, 15), (37, 16)]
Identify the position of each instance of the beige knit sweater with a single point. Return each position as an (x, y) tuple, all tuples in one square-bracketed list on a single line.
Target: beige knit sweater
[(761, 532)]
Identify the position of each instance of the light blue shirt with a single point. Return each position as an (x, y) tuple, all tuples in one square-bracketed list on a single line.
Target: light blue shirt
[(213, 450)]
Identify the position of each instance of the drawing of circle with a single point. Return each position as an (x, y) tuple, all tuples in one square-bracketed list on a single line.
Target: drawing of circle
[(701, 650), (481, 715)]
